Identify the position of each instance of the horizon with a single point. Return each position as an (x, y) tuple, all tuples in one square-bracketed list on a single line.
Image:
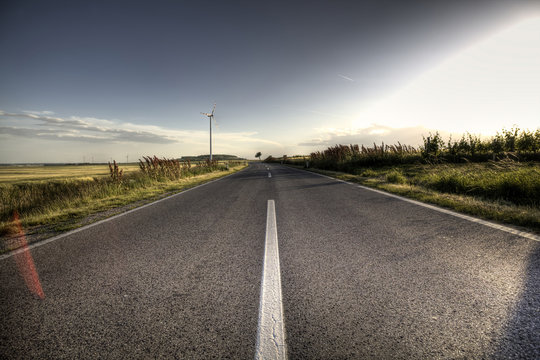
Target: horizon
[(105, 81), (93, 162)]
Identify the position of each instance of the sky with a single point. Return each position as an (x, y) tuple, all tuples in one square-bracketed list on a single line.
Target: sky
[(100, 80)]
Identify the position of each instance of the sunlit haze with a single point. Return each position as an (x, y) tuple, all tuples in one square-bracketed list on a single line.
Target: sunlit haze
[(105, 80), (492, 84)]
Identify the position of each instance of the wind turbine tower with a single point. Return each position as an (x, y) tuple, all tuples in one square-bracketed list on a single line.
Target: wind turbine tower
[(210, 117)]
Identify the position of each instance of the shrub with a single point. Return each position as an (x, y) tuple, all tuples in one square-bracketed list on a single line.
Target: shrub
[(470, 148), (396, 177), (433, 145)]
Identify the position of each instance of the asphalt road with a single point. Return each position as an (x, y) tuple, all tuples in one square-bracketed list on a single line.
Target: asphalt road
[(363, 275)]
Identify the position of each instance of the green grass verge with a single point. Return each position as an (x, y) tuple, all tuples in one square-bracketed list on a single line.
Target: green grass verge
[(504, 192)]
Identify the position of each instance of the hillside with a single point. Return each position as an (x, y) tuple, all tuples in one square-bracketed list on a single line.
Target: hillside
[(218, 157)]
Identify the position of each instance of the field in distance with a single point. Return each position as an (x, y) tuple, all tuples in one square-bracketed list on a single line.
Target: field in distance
[(30, 173), (11, 174)]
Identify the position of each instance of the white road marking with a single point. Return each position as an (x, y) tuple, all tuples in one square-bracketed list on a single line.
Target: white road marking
[(269, 175), (507, 229), (46, 241), (271, 330)]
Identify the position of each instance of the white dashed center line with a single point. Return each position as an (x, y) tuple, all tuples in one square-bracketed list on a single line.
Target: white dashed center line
[(271, 330)]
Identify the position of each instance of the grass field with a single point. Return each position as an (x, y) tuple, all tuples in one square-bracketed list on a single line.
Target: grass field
[(58, 198), (22, 173), (14, 174)]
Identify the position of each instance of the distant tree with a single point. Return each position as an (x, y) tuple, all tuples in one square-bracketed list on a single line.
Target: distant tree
[(258, 155)]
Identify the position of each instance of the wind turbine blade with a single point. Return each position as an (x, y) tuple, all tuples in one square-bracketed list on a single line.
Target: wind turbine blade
[(214, 109)]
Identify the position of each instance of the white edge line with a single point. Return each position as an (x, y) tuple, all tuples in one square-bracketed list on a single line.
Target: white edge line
[(507, 229), (271, 328), (71, 232)]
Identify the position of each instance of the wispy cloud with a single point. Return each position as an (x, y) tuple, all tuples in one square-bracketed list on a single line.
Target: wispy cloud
[(43, 112), (80, 129), (48, 134), (346, 78), (40, 125)]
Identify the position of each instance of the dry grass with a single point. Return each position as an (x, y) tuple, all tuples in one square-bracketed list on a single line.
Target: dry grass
[(33, 173), (513, 143)]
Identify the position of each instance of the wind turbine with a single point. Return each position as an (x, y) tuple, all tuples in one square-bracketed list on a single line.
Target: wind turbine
[(210, 117)]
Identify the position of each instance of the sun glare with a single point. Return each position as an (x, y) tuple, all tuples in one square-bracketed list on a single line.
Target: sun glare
[(492, 84)]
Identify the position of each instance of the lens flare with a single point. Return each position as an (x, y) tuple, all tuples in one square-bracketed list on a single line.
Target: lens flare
[(25, 262)]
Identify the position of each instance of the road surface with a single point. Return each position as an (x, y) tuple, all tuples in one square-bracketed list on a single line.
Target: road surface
[(361, 275)]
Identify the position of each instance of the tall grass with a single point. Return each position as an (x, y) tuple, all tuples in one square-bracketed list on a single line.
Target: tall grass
[(349, 157), (512, 182), (515, 143), (36, 197), (522, 145), (507, 179), (174, 169)]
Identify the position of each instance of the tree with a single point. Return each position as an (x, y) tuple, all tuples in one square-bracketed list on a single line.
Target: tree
[(258, 155)]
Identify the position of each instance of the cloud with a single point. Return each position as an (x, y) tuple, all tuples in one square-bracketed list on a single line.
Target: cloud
[(369, 135), (44, 112), (40, 125), (24, 132), (48, 134), (346, 78)]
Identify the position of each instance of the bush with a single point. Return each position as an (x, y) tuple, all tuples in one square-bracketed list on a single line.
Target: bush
[(470, 148), (517, 184), (396, 177)]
